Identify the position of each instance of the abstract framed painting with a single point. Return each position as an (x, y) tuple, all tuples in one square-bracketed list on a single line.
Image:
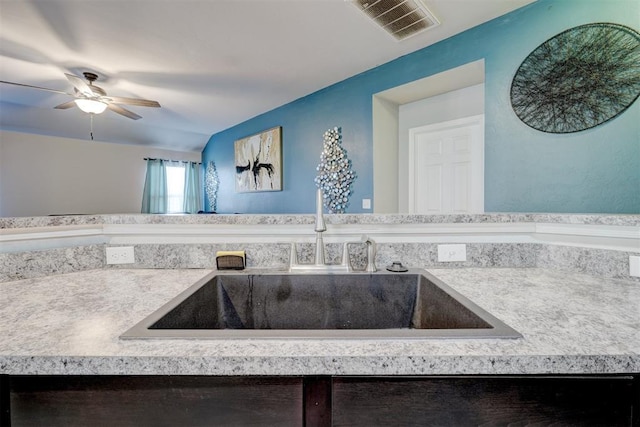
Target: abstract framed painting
[(259, 161)]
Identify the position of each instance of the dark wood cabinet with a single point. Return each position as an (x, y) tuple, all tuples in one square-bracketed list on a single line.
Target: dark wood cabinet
[(611, 400), (155, 401), (486, 401)]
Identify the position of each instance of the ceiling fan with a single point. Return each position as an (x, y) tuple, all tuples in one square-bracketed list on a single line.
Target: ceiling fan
[(93, 99)]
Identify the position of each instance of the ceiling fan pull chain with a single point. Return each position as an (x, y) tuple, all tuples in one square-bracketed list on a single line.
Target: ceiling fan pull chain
[(91, 114)]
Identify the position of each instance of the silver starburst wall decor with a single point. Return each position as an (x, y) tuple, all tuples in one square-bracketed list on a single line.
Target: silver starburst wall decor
[(335, 175), (211, 184)]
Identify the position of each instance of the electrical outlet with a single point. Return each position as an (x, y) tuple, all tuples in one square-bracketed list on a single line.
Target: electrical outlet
[(366, 203), (451, 253), (120, 255), (634, 266)]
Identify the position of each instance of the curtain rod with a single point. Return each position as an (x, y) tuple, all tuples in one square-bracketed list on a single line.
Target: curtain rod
[(175, 161)]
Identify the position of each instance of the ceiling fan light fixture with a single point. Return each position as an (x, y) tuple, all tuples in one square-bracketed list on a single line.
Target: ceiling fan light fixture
[(91, 105)]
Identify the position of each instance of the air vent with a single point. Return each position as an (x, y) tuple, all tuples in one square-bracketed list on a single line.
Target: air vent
[(400, 18)]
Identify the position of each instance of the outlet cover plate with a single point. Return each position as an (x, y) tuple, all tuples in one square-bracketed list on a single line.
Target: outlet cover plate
[(120, 255), (452, 253), (634, 266)]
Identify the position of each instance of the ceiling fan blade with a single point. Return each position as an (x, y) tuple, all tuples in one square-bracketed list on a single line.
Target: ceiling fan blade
[(79, 84), (123, 111), (133, 101), (36, 87), (66, 105)]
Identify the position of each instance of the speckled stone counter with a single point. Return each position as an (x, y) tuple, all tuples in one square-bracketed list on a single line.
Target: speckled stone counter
[(287, 219), (70, 324)]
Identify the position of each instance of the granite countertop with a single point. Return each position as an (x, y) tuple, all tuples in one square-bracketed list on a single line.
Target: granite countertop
[(13, 223), (70, 324)]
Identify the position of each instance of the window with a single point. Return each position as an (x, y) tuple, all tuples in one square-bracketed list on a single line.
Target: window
[(172, 187), (175, 188)]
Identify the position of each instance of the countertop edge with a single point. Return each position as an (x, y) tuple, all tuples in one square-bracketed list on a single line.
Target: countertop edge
[(292, 219), (374, 365)]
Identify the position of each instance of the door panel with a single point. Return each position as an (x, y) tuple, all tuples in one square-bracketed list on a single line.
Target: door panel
[(446, 169)]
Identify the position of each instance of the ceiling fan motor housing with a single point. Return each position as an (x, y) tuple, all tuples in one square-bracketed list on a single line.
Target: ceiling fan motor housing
[(91, 77)]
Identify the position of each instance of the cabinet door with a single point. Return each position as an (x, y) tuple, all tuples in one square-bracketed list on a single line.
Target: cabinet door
[(491, 401), (155, 401)]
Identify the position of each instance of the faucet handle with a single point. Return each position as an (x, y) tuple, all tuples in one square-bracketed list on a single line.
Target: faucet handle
[(371, 253), (293, 256), (346, 259)]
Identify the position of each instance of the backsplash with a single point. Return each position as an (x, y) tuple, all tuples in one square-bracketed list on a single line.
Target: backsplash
[(599, 245), (276, 256), (596, 262), (27, 265)]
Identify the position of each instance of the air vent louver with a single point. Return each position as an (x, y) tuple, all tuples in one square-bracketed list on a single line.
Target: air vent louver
[(400, 18)]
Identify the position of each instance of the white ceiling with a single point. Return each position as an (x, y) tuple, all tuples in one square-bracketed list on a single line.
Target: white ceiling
[(210, 63)]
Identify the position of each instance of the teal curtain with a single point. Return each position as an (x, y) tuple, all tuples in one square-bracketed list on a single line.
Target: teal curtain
[(192, 188), (154, 197)]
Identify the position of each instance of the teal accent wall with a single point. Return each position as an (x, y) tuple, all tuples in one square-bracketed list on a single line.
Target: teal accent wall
[(593, 171)]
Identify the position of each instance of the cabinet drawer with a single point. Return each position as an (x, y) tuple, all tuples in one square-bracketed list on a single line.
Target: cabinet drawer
[(461, 401), (155, 401)]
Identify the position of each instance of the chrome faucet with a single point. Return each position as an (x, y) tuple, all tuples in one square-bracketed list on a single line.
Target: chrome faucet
[(320, 264)]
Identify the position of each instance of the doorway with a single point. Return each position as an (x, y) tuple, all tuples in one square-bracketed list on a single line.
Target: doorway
[(452, 94), (446, 167)]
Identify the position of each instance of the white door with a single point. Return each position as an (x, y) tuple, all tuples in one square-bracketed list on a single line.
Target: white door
[(446, 167)]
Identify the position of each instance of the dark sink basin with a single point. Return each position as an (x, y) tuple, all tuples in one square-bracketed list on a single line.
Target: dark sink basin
[(350, 305)]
